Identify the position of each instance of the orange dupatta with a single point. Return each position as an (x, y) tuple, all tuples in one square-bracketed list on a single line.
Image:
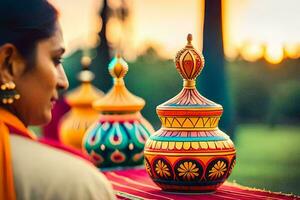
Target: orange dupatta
[(7, 190)]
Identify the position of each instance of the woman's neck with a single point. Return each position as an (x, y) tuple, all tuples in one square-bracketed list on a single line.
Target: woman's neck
[(14, 112)]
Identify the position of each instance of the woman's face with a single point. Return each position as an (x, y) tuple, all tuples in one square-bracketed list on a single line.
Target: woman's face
[(39, 85)]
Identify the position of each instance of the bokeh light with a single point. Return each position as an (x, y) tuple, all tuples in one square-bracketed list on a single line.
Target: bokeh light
[(274, 53)]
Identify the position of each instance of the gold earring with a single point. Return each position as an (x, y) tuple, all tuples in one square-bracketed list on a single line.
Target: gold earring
[(8, 94)]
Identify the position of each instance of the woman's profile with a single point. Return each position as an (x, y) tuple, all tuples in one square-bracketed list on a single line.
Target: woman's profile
[(31, 47)]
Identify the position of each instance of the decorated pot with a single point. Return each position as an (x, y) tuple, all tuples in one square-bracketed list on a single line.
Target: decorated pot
[(120, 133), (189, 153), (74, 123)]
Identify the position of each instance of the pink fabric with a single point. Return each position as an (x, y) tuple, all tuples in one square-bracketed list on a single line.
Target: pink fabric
[(50, 131), (136, 184)]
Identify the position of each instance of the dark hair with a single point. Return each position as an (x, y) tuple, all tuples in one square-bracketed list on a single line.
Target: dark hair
[(25, 22)]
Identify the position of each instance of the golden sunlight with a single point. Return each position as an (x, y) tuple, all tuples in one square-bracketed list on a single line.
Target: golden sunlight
[(251, 51), (114, 31), (251, 29), (268, 25), (274, 53), (292, 50)]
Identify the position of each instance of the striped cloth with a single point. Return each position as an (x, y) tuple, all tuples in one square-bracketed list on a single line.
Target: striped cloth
[(136, 184)]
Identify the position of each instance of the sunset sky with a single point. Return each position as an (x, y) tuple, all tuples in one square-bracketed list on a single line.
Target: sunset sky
[(252, 28)]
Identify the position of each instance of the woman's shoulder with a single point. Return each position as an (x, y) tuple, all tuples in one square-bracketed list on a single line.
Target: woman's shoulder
[(42, 172)]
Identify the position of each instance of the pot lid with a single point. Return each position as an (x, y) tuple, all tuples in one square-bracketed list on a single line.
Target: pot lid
[(119, 99), (189, 102)]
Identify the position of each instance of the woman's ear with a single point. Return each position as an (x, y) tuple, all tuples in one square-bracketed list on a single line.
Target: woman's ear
[(12, 64)]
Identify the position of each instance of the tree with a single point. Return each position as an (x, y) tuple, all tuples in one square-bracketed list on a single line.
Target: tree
[(102, 59), (213, 80)]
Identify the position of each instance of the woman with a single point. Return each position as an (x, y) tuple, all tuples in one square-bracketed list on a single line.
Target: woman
[(31, 47)]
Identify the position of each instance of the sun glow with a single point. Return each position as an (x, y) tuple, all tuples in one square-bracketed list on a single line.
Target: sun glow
[(261, 29), (274, 53), (252, 51), (252, 30), (292, 50)]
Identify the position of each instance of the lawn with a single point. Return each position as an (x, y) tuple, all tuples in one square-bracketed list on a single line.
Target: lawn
[(268, 158)]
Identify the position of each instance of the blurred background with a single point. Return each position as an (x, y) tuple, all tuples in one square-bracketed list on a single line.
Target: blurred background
[(252, 51)]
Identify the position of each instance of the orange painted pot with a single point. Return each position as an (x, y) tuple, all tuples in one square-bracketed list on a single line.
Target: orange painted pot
[(189, 153)]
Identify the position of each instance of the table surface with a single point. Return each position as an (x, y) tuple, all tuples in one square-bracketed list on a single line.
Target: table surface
[(136, 184)]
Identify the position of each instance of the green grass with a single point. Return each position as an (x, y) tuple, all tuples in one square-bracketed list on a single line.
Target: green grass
[(268, 158)]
